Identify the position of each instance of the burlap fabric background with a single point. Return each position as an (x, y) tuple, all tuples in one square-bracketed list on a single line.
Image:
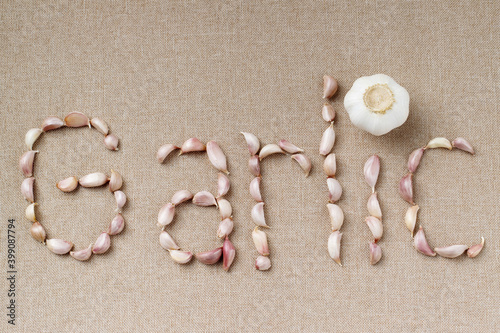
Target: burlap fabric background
[(161, 72)]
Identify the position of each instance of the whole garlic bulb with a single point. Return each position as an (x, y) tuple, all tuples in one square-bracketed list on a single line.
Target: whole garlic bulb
[(377, 104)]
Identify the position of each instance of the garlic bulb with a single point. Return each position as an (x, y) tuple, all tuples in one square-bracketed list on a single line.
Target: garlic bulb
[(377, 104)]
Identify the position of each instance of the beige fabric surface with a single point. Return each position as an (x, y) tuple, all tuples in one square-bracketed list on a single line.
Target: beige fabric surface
[(164, 71)]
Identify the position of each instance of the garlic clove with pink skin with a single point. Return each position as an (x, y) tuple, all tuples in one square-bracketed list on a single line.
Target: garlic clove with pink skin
[(115, 181), (270, 149), (120, 198), (27, 189), (414, 159), (164, 151), (330, 86), (375, 253), (411, 218), (30, 212), (51, 123), (304, 163), (406, 188), (334, 190), (334, 246), (228, 254), (327, 141), (225, 208), (26, 162), (166, 214), (181, 257), (223, 185), (68, 185), (330, 165), (474, 250), (99, 125), (375, 226), (192, 145), (111, 142), (216, 156), (225, 228), (204, 198), (180, 197), (371, 171), (102, 244), (255, 189), (252, 142), (336, 216), (462, 144), (167, 242), (76, 119), (254, 165), (116, 226), (82, 255), (260, 241), (59, 246), (420, 243), (328, 113), (451, 251), (262, 263), (258, 215), (209, 257), (31, 137), (289, 147), (373, 206), (38, 232)]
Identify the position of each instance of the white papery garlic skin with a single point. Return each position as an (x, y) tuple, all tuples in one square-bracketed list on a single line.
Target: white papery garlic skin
[(377, 104)]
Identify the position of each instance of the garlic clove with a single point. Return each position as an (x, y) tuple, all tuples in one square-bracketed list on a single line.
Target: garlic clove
[(262, 263), (252, 142), (111, 142), (181, 257), (334, 190), (375, 226), (420, 243), (228, 254), (414, 159), (59, 246), (99, 125), (258, 215), (375, 253), (462, 144), (330, 165), (67, 185), (475, 249), (102, 244), (223, 185), (371, 171), (82, 255), (328, 113), (255, 189), (31, 136), (334, 246), (204, 198), (260, 240), (216, 156), (93, 179), (181, 196), (411, 218), (254, 165), (51, 123), (164, 151), (269, 150), (30, 212), (336, 216), (373, 206), (452, 251), (116, 226), (377, 104), (76, 119), (115, 181), (439, 143), (167, 242), (327, 141), (304, 162), (225, 227), (406, 188), (191, 145), (26, 162), (209, 257), (120, 198), (289, 147), (166, 214), (330, 86), (38, 232), (225, 208), (27, 189)]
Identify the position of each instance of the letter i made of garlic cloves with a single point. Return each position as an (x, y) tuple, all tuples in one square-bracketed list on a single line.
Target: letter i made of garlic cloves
[(374, 221)]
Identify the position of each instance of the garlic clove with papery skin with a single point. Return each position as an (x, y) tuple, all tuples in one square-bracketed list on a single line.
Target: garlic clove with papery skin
[(377, 104), (420, 243), (209, 257), (330, 86), (31, 136), (451, 251), (262, 263), (82, 255), (475, 249)]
